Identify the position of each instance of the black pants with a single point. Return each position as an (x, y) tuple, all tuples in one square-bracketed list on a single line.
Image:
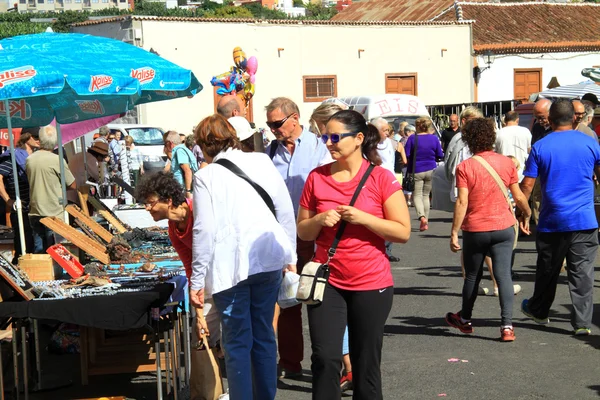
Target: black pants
[(580, 248), (365, 312)]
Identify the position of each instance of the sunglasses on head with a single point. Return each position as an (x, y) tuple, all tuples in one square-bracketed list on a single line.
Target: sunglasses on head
[(278, 124), (336, 137)]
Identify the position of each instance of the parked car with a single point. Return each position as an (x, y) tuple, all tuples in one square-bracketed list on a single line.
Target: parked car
[(149, 139)]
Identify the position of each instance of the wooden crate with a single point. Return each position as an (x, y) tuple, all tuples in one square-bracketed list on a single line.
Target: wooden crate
[(37, 266)]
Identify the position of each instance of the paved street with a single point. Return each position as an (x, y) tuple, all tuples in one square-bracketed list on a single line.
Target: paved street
[(543, 363)]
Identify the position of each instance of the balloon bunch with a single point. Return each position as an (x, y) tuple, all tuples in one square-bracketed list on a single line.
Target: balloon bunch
[(240, 77)]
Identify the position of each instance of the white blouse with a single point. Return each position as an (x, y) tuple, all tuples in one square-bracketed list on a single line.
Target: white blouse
[(235, 233)]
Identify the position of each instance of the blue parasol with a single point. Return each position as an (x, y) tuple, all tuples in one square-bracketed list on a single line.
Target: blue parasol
[(73, 77)]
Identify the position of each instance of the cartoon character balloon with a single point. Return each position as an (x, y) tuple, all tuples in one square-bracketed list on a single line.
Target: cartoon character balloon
[(240, 78)]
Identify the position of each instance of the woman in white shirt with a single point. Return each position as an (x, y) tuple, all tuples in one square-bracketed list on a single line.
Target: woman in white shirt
[(240, 248)]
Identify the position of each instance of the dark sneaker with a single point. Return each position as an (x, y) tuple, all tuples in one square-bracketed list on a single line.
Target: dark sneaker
[(346, 382), (525, 310), (507, 335), (284, 373), (393, 259), (454, 321)]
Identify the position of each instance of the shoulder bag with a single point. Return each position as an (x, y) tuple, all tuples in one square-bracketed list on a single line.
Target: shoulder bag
[(408, 182), (502, 188), (314, 274), (262, 192)]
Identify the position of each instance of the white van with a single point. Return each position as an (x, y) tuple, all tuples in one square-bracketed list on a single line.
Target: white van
[(147, 138), (394, 108)]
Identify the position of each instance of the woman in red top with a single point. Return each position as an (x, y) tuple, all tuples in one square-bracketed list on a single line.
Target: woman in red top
[(487, 220), (360, 287)]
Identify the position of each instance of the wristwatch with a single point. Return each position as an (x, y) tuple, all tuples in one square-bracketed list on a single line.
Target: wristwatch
[(190, 191)]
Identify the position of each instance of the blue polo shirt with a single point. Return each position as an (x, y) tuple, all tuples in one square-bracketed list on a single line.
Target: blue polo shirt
[(564, 161), (309, 153)]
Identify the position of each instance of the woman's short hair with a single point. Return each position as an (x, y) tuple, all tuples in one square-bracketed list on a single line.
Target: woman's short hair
[(215, 134), (161, 184), (48, 137), (470, 112), (190, 141), (128, 140), (410, 128), (423, 124), (479, 134), (355, 122), (321, 115)]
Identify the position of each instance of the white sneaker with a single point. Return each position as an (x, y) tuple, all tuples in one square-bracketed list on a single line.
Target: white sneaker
[(482, 290), (516, 288)]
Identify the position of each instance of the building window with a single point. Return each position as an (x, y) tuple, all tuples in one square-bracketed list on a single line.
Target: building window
[(22, 1), (319, 87), (41, 1), (50, 1), (94, 1)]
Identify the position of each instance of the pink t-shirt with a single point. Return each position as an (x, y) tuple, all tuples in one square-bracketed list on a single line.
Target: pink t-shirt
[(360, 262), (487, 209), (182, 241)]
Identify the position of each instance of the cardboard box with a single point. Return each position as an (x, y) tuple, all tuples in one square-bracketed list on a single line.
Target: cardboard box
[(37, 266)]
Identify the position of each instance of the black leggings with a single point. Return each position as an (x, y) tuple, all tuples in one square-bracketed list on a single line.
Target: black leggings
[(365, 312), (476, 245)]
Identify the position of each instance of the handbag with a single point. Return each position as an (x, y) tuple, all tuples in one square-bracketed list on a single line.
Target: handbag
[(262, 192), (501, 186), (314, 274), (408, 182)]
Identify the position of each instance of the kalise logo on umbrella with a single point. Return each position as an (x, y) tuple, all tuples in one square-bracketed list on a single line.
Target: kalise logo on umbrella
[(144, 74), (91, 106), (99, 82), (16, 108), (15, 75)]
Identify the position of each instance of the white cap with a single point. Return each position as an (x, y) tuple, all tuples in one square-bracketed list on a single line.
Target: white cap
[(242, 127)]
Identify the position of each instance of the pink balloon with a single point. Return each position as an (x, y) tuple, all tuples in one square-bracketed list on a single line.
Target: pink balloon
[(252, 65), (252, 78)]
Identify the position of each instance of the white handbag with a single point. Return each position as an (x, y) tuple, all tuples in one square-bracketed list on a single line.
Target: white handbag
[(314, 276)]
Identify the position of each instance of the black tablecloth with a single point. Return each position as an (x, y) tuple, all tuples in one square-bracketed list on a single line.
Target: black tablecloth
[(121, 311)]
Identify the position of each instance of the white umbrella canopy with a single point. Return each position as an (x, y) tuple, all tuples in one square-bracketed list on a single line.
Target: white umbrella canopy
[(572, 91)]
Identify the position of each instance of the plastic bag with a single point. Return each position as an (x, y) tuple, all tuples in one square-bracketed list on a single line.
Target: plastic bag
[(288, 289)]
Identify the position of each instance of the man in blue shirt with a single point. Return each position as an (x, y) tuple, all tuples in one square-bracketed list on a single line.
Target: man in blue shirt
[(183, 161), (564, 161), (295, 152)]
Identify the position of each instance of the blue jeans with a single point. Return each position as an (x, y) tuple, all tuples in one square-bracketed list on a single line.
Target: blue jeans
[(42, 237), (248, 338), (345, 343)]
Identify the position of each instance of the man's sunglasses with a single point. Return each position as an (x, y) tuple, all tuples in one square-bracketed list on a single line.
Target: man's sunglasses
[(278, 124), (336, 137)]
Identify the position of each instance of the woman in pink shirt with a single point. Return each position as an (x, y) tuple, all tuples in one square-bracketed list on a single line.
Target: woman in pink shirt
[(487, 222), (360, 287)]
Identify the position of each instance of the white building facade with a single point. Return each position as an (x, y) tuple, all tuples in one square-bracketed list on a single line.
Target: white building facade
[(295, 57), (502, 81)]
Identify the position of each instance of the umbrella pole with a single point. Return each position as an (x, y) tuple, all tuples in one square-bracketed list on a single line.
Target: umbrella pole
[(13, 161), (63, 183)]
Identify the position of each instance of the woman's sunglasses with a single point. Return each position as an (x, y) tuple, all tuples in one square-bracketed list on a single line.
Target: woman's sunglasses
[(278, 124), (336, 137)]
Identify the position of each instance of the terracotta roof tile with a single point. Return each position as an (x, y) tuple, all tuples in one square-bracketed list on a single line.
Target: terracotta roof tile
[(271, 22), (393, 10), (531, 27)]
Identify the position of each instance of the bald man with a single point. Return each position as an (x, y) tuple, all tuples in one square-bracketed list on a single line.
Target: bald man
[(231, 105), (578, 119), (449, 133), (541, 128)]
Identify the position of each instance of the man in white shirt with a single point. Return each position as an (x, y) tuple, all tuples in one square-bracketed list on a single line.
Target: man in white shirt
[(386, 151), (514, 140)]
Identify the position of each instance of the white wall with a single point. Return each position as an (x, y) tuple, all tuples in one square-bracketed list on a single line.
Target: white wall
[(206, 49), (497, 83)]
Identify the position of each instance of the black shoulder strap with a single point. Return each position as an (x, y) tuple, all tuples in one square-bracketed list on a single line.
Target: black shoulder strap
[(342, 227), (262, 192), (414, 155), (273, 149)]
